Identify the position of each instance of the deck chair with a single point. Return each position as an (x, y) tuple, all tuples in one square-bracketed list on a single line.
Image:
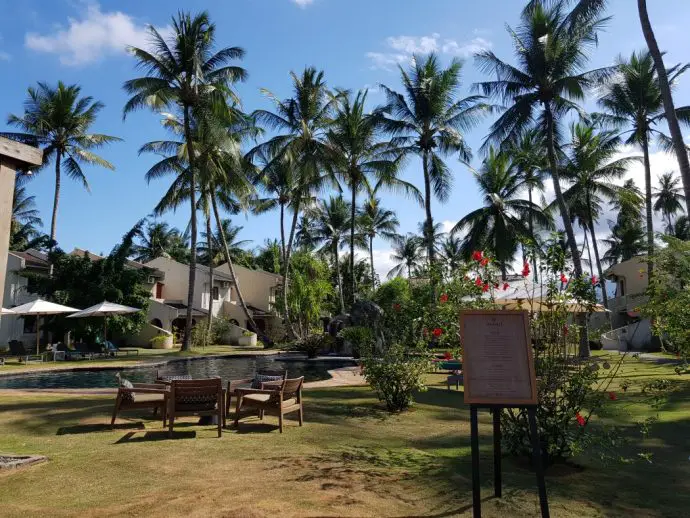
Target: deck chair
[(256, 382), (277, 400), (17, 349), (141, 396), (200, 397)]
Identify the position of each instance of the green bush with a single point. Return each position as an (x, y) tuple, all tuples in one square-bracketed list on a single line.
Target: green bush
[(158, 340), (200, 337), (361, 338), (311, 345), (219, 328)]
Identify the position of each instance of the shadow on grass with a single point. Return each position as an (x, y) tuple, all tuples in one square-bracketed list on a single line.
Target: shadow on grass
[(94, 428), (133, 437)]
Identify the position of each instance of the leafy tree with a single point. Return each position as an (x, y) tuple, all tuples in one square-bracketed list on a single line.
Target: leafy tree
[(681, 228), (451, 253), (408, 254), (268, 256), (158, 239), (235, 246), (377, 221), (627, 233), (551, 46), (24, 233), (669, 198), (361, 278), (310, 289), (428, 120), (501, 223), (59, 119)]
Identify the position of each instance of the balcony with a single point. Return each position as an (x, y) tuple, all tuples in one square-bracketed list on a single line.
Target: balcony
[(627, 303)]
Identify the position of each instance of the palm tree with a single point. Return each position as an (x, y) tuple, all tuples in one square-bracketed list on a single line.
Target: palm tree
[(681, 228), (331, 220), (59, 119), (501, 223), (431, 239), (530, 161), (304, 120), (627, 233), (592, 167), (357, 155), (408, 254), (214, 256), (158, 239), (672, 114), (429, 121), (669, 198), (549, 80), (25, 219), (377, 221), (633, 99), (183, 73), (451, 253)]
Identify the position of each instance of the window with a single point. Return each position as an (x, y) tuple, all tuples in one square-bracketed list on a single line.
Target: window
[(159, 290), (216, 293)]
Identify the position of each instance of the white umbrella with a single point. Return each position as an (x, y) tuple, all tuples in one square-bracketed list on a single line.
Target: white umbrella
[(39, 308), (5, 311), (104, 309)]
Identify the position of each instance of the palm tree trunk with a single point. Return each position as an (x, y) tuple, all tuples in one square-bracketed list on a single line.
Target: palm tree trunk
[(648, 204), (429, 223), (282, 233), (339, 276), (669, 109), (586, 245), (226, 251), (56, 199), (530, 222), (292, 334), (371, 263), (192, 225), (352, 241), (209, 244), (584, 351), (597, 258)]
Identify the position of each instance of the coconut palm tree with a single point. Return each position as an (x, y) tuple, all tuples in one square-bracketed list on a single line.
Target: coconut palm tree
[(669, 198), (451, 253), (428, 120), (632, 100), (331, 221), (183, 73), (501, 223), (214, 255), (158, 239), (59, 120), (551, 46), (672, 114), (25, 220), (409, 254), (303, 121), (530, 162), (357, 155), (377, 221), (592, 167), (627, 233), (681, 228)]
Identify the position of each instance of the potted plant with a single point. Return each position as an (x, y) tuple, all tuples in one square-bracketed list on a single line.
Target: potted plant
[(162, 342), (248, 339)]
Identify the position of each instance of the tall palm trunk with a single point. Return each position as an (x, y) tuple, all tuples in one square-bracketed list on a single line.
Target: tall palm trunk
[(648, 203), (56, 199), (352, 241), (192, 225), (292, 334), (371, 262), (429, 223), (226, 252), (669, 108), (586, 245), (530, 222), (282, 232), (584, 351), (336, 257), (209, 244)]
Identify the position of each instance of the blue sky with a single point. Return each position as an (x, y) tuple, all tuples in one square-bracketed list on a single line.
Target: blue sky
[(358, 44)]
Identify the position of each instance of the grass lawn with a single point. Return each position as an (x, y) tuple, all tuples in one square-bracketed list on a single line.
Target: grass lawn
[(350, 459)]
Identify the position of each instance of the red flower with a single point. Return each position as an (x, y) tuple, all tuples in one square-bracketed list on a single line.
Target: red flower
[(525, 270), (580, 420), (564, 279), (397, 307), (595, 281), (447, 356), (565, 330), (443, 298), (477, 255), (612, 396), (437, 332), (478, 281), (506, 286), (484, 261), (485, 288)]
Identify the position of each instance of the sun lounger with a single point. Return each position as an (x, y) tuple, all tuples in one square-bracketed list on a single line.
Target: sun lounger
[(17, 349)]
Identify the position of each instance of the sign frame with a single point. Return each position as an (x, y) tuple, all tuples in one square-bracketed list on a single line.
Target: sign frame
[(523, 342)]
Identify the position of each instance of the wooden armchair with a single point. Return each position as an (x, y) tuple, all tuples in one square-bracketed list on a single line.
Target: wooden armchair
[(141, 395), (233, 385), (200, 397), (276, 399)]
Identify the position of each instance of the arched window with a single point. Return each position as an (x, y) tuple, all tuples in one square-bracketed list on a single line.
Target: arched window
[(156, 322)]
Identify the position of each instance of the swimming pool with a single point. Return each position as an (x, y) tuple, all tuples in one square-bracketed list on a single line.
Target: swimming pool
[(228, 368)]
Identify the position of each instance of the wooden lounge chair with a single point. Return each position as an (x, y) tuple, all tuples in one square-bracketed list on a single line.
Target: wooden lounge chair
[(17, 349), (233, 385), (203, 397), (110, 349), (279, 399), (142, 395)]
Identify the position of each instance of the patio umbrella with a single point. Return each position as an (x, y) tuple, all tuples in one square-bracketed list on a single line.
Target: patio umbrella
[(5, 311), (104, 309), (39, 308)]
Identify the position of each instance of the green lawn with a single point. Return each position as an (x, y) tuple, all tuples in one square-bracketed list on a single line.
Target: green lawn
[(350, 459)]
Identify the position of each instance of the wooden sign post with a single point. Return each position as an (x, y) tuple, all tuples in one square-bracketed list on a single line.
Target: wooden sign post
[(498, 370)]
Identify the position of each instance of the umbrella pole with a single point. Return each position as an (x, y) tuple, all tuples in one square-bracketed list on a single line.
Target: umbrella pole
[(38, 333)]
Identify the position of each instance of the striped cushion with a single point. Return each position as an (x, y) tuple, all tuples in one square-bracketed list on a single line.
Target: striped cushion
[(127, 397), (261, 378)]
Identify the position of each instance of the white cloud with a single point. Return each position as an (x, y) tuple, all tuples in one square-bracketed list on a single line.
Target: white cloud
[(303, 3), (382, 261), (4, 56), (448, 225), (92, 36), (400, 49)]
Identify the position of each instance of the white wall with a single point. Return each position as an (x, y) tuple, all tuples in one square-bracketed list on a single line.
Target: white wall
[(258, 287), (15, 294)]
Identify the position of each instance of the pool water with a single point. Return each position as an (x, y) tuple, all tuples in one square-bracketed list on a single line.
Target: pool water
[(225, 368)]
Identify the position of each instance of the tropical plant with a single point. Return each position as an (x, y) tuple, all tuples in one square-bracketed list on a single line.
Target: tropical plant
[(551, 46), (25, 220), (409, 255), (627, 233), (183, 73), (235, 246), (59, 119), (451, 253), (592, 167), (428, 120), (358, 278), (377, 221), (268, 256), (669, 198), (633, 100), (158, 239), (681, 228), (502, 223), (303, 120), (311, 288), (672, 114)]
